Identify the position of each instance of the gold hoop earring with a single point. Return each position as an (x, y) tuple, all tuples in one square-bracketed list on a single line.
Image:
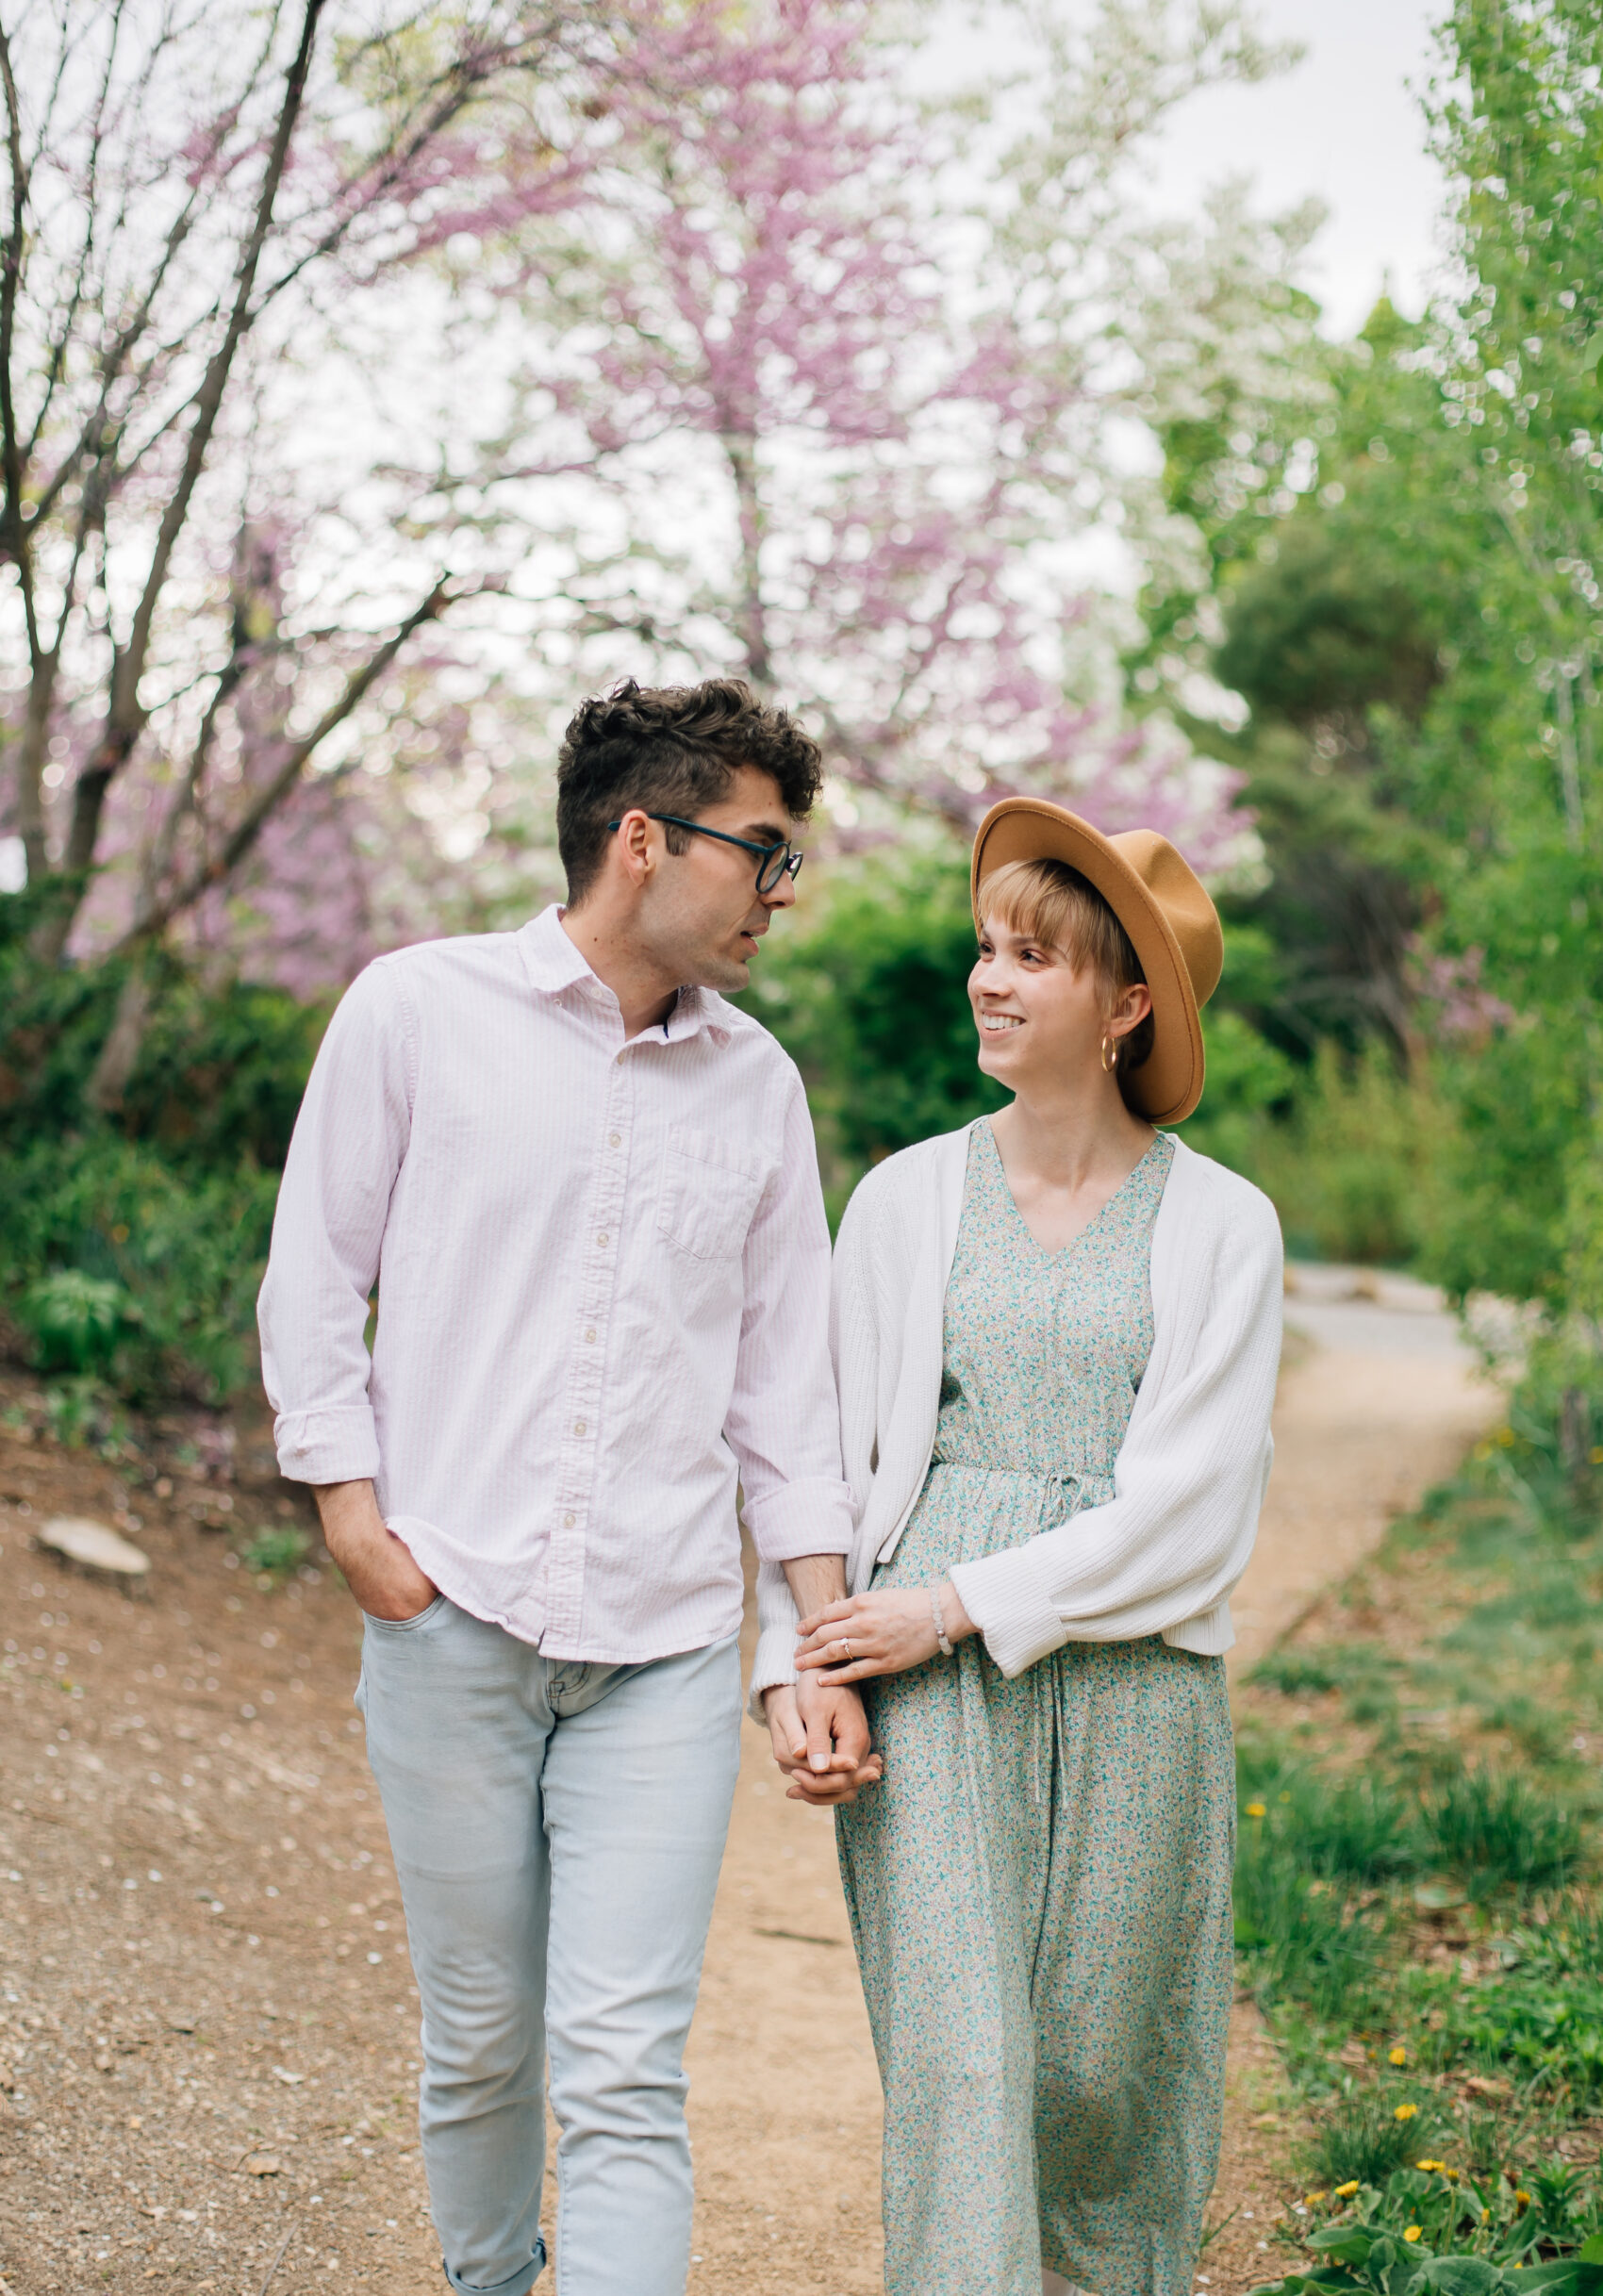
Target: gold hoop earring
[(1110, 1055)]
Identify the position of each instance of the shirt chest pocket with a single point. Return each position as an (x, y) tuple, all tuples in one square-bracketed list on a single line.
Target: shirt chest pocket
[(709, 1192)]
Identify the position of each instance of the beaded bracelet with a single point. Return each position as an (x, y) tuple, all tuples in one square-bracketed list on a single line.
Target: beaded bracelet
[(941, 1635)]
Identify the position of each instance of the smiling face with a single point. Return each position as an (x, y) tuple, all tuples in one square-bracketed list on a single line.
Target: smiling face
[(1041, 1017), (700, 915)]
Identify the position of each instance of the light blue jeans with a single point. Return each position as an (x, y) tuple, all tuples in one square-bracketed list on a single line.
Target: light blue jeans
[(557, 1830)]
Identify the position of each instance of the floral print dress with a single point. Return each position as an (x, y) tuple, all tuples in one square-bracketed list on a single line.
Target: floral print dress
[(1039, 1889)]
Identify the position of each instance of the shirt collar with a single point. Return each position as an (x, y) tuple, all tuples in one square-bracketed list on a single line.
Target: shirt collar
[(553, 964)]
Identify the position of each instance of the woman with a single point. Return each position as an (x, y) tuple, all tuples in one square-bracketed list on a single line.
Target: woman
[(1057, 1336)]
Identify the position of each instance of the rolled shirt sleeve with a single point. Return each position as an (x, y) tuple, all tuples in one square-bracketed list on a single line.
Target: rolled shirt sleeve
[(349, 1144)]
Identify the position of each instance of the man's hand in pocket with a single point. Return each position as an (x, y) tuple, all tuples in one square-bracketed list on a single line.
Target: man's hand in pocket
[(376, 1567)]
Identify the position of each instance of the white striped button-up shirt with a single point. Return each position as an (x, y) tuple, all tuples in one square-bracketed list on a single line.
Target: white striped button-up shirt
[(603, 1270)]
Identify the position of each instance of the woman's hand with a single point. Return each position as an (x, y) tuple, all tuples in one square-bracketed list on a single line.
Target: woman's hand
[(878, 1634)]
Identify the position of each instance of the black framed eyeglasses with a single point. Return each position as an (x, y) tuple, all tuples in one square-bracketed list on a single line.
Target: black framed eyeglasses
[(773, 861)]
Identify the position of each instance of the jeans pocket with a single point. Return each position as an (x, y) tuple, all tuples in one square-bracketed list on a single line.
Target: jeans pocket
[(407, 1625)]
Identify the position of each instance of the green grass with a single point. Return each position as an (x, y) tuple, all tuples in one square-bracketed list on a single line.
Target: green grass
[(1301, 1938), (1502, 1833), (1418, 1903), (1360, 2136)]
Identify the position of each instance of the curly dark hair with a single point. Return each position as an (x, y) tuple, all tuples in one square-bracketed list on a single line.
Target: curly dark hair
[(670, 749)]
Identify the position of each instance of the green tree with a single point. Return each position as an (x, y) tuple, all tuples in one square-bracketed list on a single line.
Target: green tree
[(1521, 126), (1400, 554)]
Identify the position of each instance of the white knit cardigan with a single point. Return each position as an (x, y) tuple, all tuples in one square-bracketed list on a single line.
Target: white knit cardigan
[(1162, 1555)]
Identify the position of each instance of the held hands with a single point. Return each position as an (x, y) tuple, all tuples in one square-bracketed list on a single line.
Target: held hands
[(820, 1741), (882, 1633)]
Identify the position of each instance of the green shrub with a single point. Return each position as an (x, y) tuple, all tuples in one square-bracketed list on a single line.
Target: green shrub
[(222, 1073), (1353, 1173), (77, 1320), (1505, 1184), (131, 1252), (220, 1068), (181, 1255), (1251, 1087), (870, 1000)]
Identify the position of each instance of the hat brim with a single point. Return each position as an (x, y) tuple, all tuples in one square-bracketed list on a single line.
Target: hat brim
[(1168, 1083)]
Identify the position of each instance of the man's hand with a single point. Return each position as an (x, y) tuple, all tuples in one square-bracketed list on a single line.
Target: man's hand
[(377, 1568), (820, 1741)]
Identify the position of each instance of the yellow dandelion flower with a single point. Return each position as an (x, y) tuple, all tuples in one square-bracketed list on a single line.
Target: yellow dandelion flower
[(1430, 2166), (1595, 1455), (1312, 2200), (1344, 2192), (1398, 2057), (1405, 2112), (1522, 2201), (1412, 2232), (1487, 2216), (1255, 1810), (1451, 2175)]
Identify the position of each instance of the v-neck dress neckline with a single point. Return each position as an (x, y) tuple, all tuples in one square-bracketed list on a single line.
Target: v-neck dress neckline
[(1057, 1252)]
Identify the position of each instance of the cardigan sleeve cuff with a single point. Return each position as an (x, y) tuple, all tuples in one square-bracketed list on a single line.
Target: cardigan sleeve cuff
[(335, 1445), (774, 1664), (1007, 1598)]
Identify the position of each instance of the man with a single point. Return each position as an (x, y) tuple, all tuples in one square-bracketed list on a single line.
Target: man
[(585, 1187)]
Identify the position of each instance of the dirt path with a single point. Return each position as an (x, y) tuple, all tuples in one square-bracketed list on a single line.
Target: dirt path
[(207, 2018), (1380, 1397)]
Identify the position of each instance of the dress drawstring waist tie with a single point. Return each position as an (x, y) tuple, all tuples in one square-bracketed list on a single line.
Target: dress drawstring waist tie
[(1060, 1499), (1060, 1496)]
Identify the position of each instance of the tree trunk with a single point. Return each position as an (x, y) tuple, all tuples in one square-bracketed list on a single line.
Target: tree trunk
[(750, 617), (119, 1054)]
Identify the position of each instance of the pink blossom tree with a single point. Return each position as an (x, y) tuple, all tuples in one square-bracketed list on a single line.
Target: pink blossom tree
[(195, 203), (843, 367)]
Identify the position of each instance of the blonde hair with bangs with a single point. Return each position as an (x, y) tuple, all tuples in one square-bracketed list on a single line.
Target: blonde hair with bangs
[(1050, 902)]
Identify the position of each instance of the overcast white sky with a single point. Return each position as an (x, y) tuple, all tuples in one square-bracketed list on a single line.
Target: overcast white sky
[(1345, 124)]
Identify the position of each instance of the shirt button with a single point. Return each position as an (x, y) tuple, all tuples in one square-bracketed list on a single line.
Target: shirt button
[(592, 1333), (569, 1521), (614, 1140), (578, 1426), (601, 1239)]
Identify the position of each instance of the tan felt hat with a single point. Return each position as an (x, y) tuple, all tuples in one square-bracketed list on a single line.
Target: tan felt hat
[(1160, 903)]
